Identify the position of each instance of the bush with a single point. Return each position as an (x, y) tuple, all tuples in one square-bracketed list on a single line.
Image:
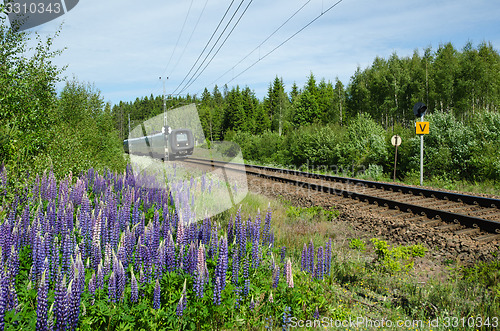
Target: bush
[(365, 142), (83, 135), (28, 94), (397, 258), (456, 150), (315, 146)]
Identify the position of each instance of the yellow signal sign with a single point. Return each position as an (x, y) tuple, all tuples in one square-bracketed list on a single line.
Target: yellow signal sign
[(422, 127)]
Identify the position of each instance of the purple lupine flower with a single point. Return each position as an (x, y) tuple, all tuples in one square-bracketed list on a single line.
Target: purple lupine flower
[(112, 287), (276, 276), (252, 304), (4, 283), (271, 299), (68, 217), (170, 253), (237, 292), (96, 244), (74, 302), (267, 226), (182, 302), (318, 269), (235, 265), (107, 258), (122, 254), (201, 273), (289, 275), (157, 293), (257, 225), (286, 318), (316, 314), (41, 306), (100, 276), (213, 242), (271, 239), (138, 253), (192, 258), (13, 262), (310, 257), (255, 253), (142, 278), (283, 254), (180, 234), (217, 291), (206, 231), (54, 258), (222, 263), (328, 256), (92, 286), (120, 279), (160, 260), (134, 293), (245, 277), (69, 312), (13, 299), (180, 258)]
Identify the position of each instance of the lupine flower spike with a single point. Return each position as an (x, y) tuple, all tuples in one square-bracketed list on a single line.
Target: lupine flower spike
[(182, 302)]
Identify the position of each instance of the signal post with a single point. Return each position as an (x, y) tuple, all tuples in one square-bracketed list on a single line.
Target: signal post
[(421, 128)]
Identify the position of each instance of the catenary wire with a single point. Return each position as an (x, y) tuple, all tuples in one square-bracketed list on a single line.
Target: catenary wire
[(293, 35), (213, 56), (208, 43), (192, 79), (190, 37), (179, 37), (262, 43)]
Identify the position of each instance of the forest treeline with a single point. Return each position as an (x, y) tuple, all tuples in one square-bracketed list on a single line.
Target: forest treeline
[(323, 123), (328, 123), (446, 79)]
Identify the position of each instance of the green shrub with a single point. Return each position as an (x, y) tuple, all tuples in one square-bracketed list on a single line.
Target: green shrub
[(397, 258), (357, 244)]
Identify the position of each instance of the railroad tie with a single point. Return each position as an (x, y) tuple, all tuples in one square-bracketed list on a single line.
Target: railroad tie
[(488, 237), (467, 231)]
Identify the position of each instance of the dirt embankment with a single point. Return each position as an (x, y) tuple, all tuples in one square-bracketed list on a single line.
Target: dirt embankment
[(443, 246)]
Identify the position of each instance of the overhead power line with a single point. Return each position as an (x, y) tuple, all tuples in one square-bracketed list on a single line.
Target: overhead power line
[(206, 45), (293, 35), (213, 56), (179, 37), (190, 37), (213, 46), (262, 43)]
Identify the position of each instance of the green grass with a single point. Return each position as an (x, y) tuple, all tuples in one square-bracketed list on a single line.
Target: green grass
[(484, 187), (365, 285)]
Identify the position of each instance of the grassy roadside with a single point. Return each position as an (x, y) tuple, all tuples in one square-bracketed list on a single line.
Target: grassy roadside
[(371, 281)]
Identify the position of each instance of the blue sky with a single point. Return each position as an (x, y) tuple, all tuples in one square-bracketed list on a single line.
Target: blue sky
[(123, 47)]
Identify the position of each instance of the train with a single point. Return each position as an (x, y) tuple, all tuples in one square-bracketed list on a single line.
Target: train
[(177, 143)]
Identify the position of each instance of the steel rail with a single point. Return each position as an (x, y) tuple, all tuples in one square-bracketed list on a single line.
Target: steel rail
[(466, 220)]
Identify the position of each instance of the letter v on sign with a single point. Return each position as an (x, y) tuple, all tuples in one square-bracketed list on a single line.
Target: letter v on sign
[(422, 128)]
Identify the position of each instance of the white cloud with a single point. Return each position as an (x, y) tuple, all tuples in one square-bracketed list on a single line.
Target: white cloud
[(124, 46)]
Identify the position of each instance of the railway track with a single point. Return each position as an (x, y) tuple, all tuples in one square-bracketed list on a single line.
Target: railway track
[(463, 214)]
